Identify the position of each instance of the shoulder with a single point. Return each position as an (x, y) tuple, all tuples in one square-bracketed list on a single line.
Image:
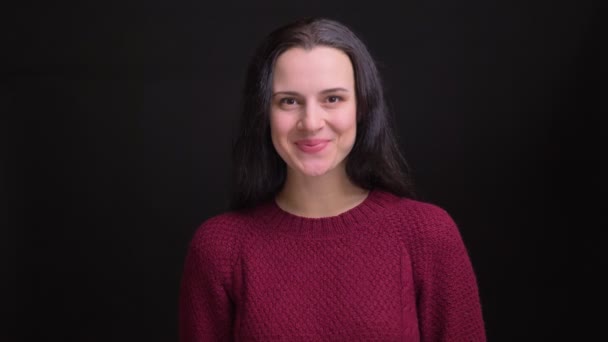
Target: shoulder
[(216, 240), (431, 239), (224, 223), (220, 229), (425, 225), (423, 213)]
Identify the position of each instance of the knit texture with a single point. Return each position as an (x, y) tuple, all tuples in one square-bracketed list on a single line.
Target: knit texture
[(390, 269)]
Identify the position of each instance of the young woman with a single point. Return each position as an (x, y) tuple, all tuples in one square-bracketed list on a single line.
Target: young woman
[(324, 242)]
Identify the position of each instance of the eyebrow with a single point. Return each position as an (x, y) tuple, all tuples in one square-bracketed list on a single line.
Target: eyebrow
[(326, 91)]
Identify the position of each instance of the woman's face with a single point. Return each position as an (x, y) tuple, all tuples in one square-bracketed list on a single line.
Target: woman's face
[(313, 113)]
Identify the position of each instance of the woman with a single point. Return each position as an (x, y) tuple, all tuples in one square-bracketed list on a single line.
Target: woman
[(325, 242)]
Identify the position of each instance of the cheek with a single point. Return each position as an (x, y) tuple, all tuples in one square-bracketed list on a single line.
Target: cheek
[(346, 124), (279, 127)]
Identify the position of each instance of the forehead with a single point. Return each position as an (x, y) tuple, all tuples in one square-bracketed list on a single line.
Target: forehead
[(318, 67)]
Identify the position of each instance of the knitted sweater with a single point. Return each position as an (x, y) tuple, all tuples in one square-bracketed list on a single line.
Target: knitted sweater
[(390, 269)]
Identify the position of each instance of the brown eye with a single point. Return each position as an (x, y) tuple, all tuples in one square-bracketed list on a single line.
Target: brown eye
[(290, 101), (333, 99)]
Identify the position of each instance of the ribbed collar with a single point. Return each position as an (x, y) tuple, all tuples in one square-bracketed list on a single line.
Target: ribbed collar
[(275, 219)]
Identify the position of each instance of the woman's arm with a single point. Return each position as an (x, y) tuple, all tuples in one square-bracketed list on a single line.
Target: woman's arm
[(448, 302), (205, 305)]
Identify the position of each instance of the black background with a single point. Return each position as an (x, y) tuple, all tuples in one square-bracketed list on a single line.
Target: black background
[(121, 114)]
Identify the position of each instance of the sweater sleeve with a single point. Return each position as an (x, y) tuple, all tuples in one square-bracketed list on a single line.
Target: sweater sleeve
[(205, 304), (448, 302)]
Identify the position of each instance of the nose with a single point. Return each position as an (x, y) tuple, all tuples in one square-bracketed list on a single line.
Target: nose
[(312, 118)]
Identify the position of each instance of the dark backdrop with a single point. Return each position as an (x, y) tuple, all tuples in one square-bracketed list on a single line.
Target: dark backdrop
[(118, 119)]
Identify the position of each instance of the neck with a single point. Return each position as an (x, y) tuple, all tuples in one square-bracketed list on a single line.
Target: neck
[(321, 196)]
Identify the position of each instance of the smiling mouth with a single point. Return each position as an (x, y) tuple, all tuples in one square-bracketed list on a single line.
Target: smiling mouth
[(312, 145)]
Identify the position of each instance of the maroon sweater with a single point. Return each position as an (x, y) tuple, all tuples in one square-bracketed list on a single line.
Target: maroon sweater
[(390, 269)]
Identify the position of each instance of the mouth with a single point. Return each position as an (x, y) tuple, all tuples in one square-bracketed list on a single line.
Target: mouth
[(312, 145)]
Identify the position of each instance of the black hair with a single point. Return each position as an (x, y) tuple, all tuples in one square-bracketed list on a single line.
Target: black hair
[(374, 162)]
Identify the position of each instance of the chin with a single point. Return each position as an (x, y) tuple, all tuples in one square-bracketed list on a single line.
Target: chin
[(315, 171)]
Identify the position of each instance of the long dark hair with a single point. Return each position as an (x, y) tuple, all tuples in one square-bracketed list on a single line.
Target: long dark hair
[(375, 161)]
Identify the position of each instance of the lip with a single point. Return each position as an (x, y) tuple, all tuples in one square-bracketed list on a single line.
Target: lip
[(312, 145)]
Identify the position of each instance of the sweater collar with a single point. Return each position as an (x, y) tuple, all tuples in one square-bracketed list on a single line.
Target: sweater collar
[(275, 219)]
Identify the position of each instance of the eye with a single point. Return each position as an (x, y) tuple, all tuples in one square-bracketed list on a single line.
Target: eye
[(334, 99), (290, 101)]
